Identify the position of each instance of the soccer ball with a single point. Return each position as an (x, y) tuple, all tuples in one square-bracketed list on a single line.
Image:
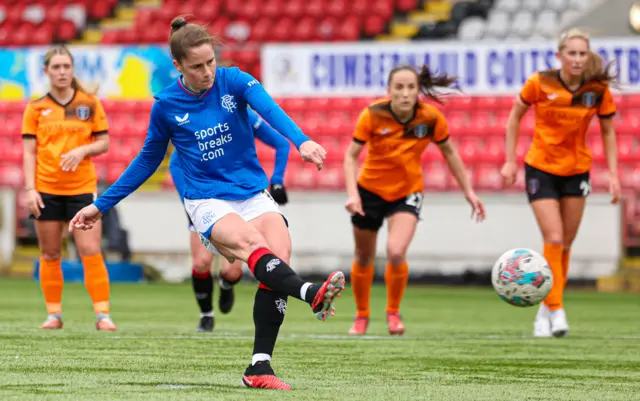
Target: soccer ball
[(522, 277)]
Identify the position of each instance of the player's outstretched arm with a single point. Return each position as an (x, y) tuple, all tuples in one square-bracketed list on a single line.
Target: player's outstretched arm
[(249, 89), (350, 165), (611, 153), (139, 171), (456, 165), (510, 167)]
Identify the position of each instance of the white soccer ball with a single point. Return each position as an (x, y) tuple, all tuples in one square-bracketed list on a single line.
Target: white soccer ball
[(522, 277)]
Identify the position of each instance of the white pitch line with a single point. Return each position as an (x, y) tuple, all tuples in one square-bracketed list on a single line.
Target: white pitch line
[(231, 336)]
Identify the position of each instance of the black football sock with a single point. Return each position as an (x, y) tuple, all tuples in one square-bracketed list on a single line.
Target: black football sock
[(203, 289), (275, 274), (269, 309)]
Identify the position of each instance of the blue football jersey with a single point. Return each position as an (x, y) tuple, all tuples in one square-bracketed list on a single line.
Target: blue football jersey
[(213, 138)]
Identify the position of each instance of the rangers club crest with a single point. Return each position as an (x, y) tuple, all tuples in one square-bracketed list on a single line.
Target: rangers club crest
[(83, 113)]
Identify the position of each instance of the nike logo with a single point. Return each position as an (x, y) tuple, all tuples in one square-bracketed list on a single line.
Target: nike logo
[(385, 131), (552, 96), (46, 112)]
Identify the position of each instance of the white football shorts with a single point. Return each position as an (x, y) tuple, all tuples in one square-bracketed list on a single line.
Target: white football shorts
[(204, 213)]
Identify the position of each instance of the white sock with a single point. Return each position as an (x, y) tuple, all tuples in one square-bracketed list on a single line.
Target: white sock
[(208, 314), (260, 358), (303, 290), (543, 312)]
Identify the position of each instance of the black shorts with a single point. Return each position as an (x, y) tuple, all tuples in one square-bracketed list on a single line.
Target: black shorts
[(63, 207), (543, 185), (377, 209)]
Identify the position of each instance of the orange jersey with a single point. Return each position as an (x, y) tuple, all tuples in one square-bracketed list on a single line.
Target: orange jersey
[(59, 129), (562, 118), (392, 168)]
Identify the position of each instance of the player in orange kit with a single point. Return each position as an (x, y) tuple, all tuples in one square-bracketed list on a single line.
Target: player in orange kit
[(396, 131), (558, 161), (61, 131)]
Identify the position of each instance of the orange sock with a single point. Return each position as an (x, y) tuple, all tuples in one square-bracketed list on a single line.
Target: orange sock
[(361, 280), (566, 257), (553, 254), (96, 279), (51, 282), (396, 278)]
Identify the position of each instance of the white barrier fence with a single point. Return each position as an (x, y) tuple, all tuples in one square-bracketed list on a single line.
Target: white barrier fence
[(483, 67)]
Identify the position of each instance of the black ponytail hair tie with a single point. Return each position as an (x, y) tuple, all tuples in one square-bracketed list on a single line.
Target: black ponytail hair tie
[(181, 24)]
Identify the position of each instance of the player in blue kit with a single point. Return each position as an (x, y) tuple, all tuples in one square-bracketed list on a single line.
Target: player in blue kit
[(204, 114), (202, 256)]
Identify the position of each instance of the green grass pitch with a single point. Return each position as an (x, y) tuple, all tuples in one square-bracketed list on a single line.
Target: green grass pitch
[(460, 344)]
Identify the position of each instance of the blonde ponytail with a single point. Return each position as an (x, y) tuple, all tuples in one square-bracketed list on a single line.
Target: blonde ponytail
[(90, 90)]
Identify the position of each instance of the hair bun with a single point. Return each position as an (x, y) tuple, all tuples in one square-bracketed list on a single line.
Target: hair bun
[(178, 23)]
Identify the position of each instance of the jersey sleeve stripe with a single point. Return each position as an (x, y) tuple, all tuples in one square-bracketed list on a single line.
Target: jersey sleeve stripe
[(440, 142), (105, 132), (359, 141), (605, 116), (524, 101), (28, 136)]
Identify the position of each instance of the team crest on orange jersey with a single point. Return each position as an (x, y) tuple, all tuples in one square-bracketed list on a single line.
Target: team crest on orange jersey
[(419, 131), (589, 99), (83, 113)]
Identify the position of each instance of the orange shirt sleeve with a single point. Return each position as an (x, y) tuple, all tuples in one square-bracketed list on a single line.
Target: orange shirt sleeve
[(607, 105), (441, 131), (362, 133), (29, 122), (100, 123), (530, 90)]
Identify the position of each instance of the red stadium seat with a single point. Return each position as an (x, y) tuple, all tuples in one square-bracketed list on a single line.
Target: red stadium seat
[(599, 178), (470, 147), (281, 32), (488, 178), (374, 25), (630, 178), (265, 152), (12, 126), (633, 102), (327, 29), (305, 30), (360, 7), (272, 9), (435, 176), (301, 178), (458, 103), (321, 105), (331, 178), (66, 31), (261, 29), (114, 171), (337, 8), (407, 5), (315, 8), (628, 149), (597, 150), (293, 8)]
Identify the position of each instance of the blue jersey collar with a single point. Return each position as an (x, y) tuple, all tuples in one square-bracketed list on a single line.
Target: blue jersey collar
[(190, 92)]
